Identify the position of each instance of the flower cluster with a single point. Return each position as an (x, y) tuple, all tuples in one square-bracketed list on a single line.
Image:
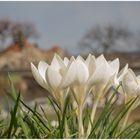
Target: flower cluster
[(79, 77)]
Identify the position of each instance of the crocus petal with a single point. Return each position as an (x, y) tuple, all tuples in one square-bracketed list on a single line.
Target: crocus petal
[(88, 59), (42, 67), (82, 72), (38, 77), (72, 59), (115, 69), (70, 71), (129, 83), (70, 75), (53, 77), (129, 76), (132, 73), (100, 60), (109, 84), (91, 64), (80, 58), (138, 79), (100, 75), (122, 72), (115, 64), (57, 63), (66, 61)]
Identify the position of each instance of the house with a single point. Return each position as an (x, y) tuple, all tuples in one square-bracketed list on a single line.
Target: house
[(15, 57)]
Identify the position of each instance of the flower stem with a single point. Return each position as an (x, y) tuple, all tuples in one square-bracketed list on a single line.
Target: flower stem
[(80, 123), (66, 128), (67, 135), (94, 108), (127, 114), (126, 120)]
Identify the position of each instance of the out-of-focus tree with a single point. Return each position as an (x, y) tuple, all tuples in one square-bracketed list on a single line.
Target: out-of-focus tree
[(104, 38), (26, 29), (5, 25), (17, 32), (22, 31)]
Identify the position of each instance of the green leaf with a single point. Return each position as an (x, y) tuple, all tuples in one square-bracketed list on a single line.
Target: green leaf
[(13, 116), (39, 118)]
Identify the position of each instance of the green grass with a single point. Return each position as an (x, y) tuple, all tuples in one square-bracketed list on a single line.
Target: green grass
[(32, 124)]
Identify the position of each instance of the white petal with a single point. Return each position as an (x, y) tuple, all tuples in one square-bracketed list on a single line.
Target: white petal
[(38, 77), (42, 67), (138, 79), (80, 58), (53, 77), (122, 72), (66, 61), (130, 71), (100, 75), (91, 64), (88, 59), (115, 64), (71, 67), (71, 60), (129, 83), (100, 60), (109, 61), (109, 84), (82, 72), (57, 63), (70, 75)]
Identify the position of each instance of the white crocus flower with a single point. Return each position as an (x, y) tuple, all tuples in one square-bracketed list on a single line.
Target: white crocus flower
[(130, 85), (103, 74), (131, 89), (116, 80), (101, 80), (55, 77), (81, 86)]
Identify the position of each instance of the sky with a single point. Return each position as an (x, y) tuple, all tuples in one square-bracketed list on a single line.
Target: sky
[(65, 23)]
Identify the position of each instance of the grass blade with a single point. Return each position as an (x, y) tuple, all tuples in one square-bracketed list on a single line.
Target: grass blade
[(13, 116)]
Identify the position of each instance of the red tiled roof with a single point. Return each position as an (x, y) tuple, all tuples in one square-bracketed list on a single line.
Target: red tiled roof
[(16, 48)]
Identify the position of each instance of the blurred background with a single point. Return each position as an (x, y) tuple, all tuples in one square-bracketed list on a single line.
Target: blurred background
[(34, 31)]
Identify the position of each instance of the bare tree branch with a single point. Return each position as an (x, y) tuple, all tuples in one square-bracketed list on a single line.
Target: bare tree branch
[(104, 38)]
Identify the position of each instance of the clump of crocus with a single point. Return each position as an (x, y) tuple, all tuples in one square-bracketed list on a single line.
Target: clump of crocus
[(78, 77)]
